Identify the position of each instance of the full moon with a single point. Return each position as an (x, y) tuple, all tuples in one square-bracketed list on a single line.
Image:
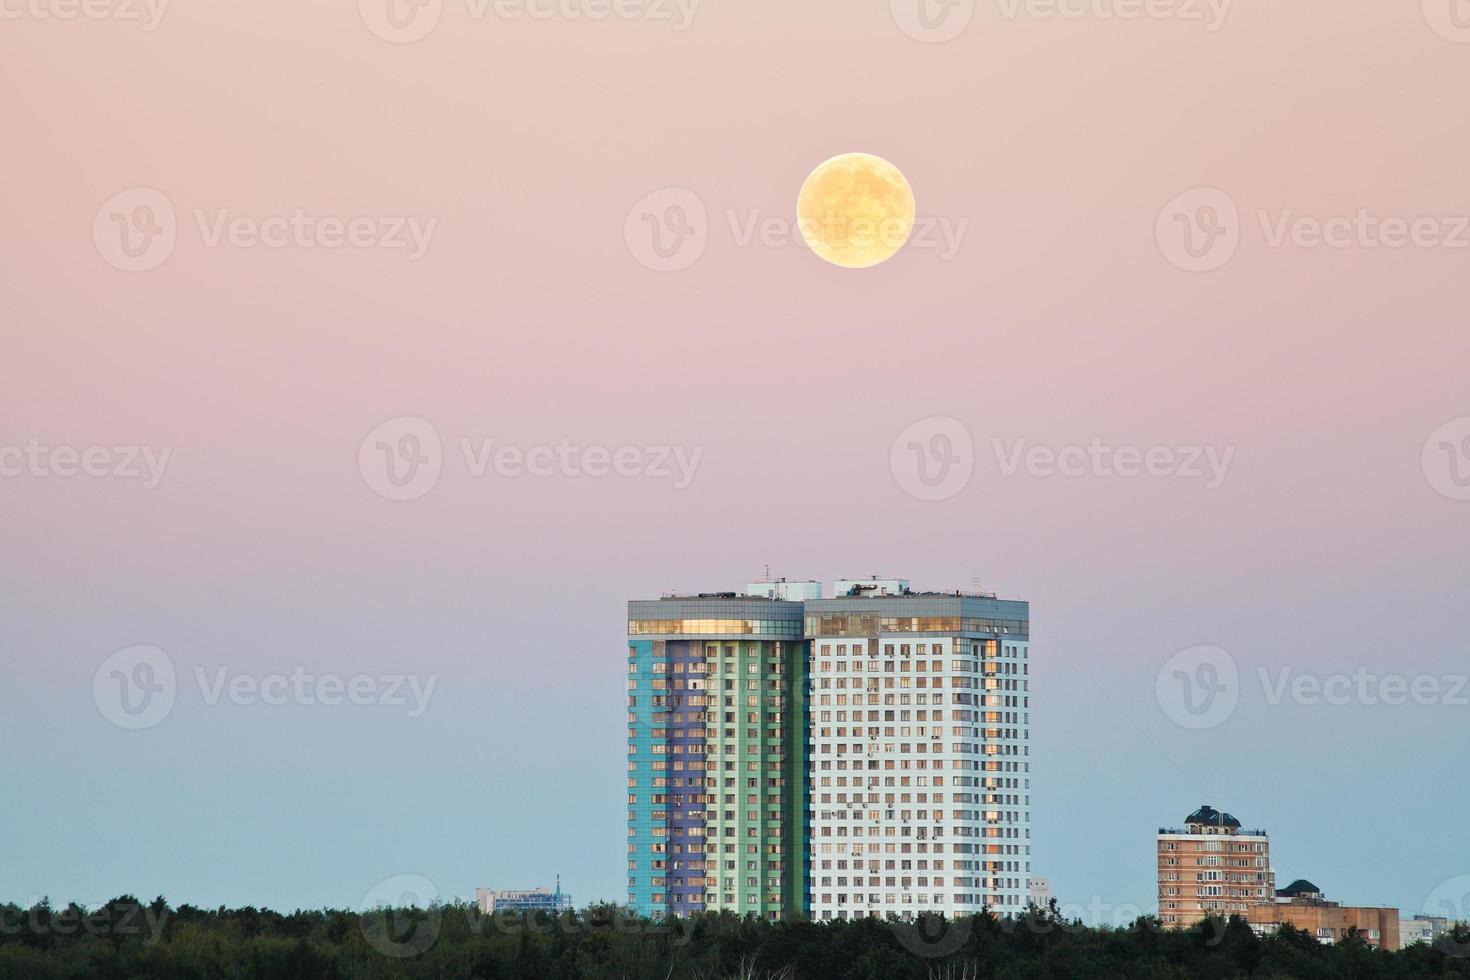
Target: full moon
[(855, 210)]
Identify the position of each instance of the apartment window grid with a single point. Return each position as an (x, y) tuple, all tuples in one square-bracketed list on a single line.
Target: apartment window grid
[(919, 774), (1211, 873), (746, 720), (707, 735)]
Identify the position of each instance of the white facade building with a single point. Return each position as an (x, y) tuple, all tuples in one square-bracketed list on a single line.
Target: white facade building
[(542, 899), (919, 773), (1422, 929)]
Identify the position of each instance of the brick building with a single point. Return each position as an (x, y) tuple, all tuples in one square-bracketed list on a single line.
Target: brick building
[(1303, 905), (1212, 867)]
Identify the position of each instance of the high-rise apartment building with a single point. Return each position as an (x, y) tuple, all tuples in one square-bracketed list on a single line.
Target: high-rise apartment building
[(919, 785), (716, 755), (1212, 867), (837, 758)]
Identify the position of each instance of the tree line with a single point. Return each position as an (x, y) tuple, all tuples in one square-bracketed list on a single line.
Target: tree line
[(126, 939)]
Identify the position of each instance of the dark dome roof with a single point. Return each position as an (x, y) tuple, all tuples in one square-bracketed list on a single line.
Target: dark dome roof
[(1299, 887), (1209, 815)]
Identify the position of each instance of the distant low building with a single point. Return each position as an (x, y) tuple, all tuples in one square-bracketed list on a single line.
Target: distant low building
[(1422, 929), (1302, 905), (523, 900), (1038, 891)]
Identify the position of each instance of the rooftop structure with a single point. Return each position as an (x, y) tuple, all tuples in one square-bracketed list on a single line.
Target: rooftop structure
[(782, 589)]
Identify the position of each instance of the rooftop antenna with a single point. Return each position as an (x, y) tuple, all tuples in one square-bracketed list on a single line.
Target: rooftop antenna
[(768, 572)]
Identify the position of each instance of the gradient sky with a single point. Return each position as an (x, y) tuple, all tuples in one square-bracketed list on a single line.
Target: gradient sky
[(530, 319)]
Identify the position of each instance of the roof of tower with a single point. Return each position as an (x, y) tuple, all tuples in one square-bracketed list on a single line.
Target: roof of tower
[(1299, 887), (1207, 814)]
